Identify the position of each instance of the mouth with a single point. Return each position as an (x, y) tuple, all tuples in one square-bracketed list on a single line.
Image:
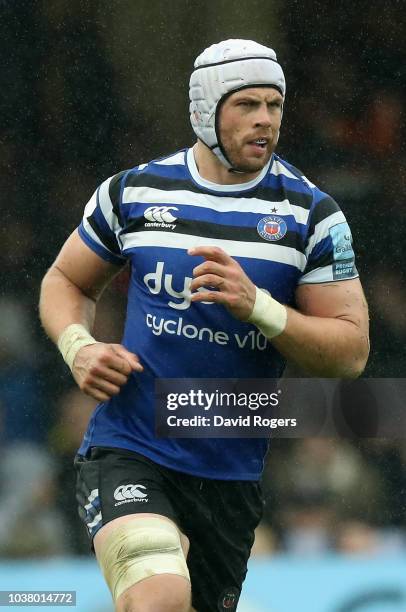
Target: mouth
[(260, 142), (259, 145)]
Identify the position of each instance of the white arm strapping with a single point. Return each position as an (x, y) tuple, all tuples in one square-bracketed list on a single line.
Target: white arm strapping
[(73, 338), (268, 315)]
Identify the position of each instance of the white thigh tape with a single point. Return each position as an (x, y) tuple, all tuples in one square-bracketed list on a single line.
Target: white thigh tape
[(139, 549)]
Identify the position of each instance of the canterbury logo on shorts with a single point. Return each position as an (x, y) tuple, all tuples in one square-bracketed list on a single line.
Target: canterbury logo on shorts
[(130, 493)]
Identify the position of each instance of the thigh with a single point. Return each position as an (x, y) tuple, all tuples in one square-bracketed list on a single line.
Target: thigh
[(219, 518), (112, 483)]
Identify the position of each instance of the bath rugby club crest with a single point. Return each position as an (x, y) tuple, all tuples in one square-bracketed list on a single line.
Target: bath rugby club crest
[(272, 228)]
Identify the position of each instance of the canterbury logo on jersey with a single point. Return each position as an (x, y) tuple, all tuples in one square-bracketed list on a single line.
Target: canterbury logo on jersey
[(130, 493), (160, 216)]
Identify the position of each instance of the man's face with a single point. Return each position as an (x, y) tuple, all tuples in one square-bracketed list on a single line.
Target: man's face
[(249, 124)]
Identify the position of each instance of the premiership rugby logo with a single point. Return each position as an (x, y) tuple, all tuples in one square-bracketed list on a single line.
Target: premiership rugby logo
[(272, 228)]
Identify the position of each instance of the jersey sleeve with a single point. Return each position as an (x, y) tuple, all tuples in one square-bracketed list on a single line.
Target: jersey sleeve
[(101, 223), (329, 249)]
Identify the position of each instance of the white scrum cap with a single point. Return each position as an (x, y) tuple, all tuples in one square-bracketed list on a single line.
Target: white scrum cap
[(222, 69)]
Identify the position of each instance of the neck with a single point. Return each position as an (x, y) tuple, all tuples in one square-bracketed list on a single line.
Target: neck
[(211, 169)]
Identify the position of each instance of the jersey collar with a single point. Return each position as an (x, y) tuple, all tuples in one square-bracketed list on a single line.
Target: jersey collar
[(191, 164)]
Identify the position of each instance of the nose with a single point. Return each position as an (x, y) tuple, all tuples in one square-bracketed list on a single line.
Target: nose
[(263, 116)]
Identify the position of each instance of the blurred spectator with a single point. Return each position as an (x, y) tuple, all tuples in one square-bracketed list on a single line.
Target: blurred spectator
[(306, 522), (389, 458), (265, 541), (354, 537), (23, 411), (358, 538), (316, 484), (389, 323), (73, 414), (30, 524)]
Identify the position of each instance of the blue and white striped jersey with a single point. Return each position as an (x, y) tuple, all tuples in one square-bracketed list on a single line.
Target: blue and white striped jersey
[(282, 230)]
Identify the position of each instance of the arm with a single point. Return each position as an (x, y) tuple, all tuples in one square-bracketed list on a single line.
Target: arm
[(69, 293), (327, 335)]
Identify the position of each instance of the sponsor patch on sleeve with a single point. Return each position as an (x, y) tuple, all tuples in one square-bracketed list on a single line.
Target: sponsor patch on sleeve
[(343, 254)]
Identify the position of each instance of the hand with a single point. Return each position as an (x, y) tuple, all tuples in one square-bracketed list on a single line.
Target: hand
[(232, 287), (101, 369)]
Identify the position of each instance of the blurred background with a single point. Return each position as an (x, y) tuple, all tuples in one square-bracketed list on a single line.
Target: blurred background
[(91, 88)]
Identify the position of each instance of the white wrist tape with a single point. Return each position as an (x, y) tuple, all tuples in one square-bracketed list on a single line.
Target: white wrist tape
[(268, 315), (73, 338)]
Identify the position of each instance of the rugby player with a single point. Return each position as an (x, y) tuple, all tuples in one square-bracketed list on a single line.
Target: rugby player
[(223, 239)]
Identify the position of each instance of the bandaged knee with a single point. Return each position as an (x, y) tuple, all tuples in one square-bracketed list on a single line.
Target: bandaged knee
[(139, 549)]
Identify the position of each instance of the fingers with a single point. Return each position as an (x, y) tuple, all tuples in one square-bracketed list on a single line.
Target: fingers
[(100, 389), (220, 279), (100, 381), (209, 267), (111, 375), (211, 274), (212, 253), (128, 357), (102, 369), (209, 296), (208, 280), (106, 386)]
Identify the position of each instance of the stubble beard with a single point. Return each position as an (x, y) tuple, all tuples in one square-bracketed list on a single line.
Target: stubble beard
[(241, 163)]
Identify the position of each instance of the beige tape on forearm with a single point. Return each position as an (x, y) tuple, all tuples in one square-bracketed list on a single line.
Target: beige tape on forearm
[(268, 315), (73, 338)]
